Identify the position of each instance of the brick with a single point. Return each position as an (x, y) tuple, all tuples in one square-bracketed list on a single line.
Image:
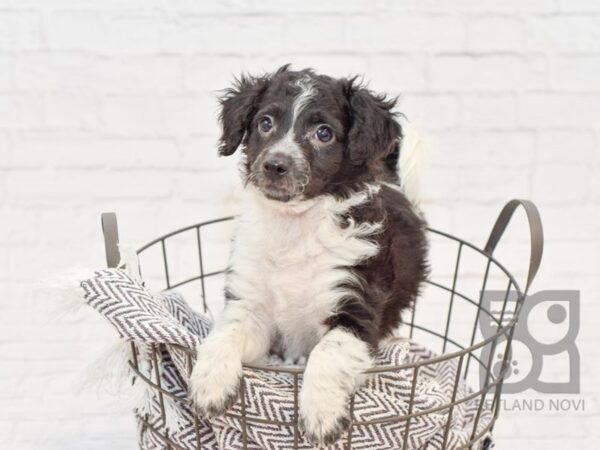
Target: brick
[(568, 33), (557, 425), (434, 112), (143, 74), (222, 34), (20, 109), (306, 35), (5, 150), (59, 71), (19, 30), (200, 153), (86, 4), (76, 30), (486, 184), (190, 114), (474, 223), (335, 65), (580, 6), (52, 331), (209, 74), (487, 73), (495, 148), (595, 185), (44, 432), (204, 186), (21, 266), (76, 72), (3, 192), (559, 110), (71, 151), (312, 6), (494, 33), (576, 73), (471, 6), (560, 183), (504, 429), (106, 425), (33, 188), (155, 153), (35, 150), (565, 146), (4, 265), (489, 111), (439, 186), (139, 184), (116, 31), (18, 350), (69, 110), (6, 431), (132, 114), (399, 73), (20, 228), (138, 31), (404, 32), (7, 65), (38, 187)]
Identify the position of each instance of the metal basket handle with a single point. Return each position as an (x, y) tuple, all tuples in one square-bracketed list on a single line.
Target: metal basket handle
[(111, 239), (535, 229)]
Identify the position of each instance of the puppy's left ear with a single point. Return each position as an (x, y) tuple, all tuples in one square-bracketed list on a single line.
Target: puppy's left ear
[(238, 107), (374, 131)]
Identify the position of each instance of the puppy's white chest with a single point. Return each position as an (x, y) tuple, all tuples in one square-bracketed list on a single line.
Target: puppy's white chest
[(298, 266), (291, 267)]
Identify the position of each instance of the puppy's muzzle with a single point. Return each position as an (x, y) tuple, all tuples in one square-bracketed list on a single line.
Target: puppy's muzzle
[(280, 176), (276, 166)]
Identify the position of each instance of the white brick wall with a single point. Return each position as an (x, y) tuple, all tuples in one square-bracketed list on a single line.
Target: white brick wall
[(109, 105)]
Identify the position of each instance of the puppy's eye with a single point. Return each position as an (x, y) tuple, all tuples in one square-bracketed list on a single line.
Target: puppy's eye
[(324, 133), (265, 124)]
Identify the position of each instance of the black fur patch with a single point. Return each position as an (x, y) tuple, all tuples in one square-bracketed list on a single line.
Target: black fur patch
[(390, 281)]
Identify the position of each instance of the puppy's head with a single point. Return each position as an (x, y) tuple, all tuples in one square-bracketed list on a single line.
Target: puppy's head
[(305, 134)]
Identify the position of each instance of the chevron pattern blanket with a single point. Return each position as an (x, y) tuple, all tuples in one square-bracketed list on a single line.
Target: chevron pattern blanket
[(165, 321)]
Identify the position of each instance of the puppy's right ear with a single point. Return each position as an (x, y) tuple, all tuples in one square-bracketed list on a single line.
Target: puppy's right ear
[(238, 107)]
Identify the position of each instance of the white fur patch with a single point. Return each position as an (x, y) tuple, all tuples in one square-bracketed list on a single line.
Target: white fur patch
[(333, 373), (288, 262), (307, 92), (238, 335), (214, 381), (287, 144), (413, 158)]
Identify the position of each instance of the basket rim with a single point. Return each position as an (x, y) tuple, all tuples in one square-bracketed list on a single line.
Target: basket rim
[(502, 329)]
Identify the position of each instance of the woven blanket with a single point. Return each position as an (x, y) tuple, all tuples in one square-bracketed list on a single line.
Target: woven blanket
[(167, 323)]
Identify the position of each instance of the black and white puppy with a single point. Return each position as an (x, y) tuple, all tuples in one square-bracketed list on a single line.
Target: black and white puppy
[(328, 251)]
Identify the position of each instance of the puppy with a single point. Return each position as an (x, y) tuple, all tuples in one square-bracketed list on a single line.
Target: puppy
[(328, 251)]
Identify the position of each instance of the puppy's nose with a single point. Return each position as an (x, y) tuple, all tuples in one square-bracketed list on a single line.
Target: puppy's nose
[(277, 165)]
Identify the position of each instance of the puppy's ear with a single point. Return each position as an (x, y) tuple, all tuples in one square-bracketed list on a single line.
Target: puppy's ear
[(374, 131), (239, 104)]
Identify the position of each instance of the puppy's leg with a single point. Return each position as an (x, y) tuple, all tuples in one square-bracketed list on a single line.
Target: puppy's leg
[(332, 374), (242, 335)]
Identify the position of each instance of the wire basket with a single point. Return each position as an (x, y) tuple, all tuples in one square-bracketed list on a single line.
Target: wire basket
[(456, 321)]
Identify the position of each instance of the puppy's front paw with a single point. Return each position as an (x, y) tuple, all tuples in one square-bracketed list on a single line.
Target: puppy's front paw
[(215, 380), (324, 414)]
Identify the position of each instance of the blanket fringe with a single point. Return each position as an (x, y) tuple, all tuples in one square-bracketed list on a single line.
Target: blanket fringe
[(64, 294), (110, 374)]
